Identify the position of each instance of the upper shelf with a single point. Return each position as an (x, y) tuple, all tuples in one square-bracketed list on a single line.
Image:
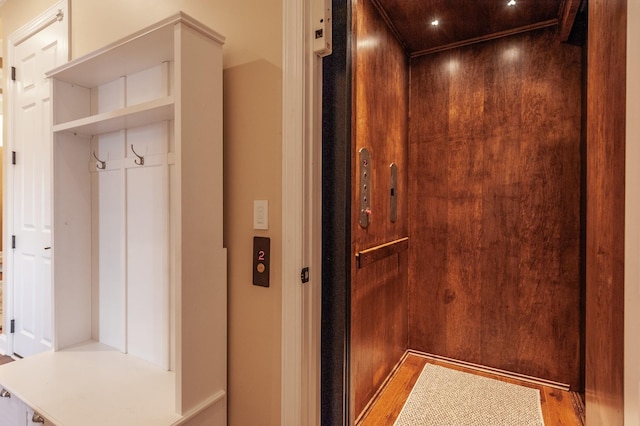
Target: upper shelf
[(133, 116), (146, 48)]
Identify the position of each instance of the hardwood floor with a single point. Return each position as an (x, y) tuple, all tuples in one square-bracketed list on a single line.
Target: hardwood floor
[(559, 407)]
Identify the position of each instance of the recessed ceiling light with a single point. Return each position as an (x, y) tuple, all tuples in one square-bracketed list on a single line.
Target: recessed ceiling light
[(511, 3), (435, 22)]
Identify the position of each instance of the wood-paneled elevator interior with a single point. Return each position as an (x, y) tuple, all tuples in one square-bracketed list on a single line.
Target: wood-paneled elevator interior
[(487, 140)]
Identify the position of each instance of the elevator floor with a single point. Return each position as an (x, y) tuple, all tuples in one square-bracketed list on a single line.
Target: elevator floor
[(559, 407)]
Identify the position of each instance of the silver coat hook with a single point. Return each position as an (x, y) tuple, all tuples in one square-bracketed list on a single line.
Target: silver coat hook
[(140, 160), (101, 164)]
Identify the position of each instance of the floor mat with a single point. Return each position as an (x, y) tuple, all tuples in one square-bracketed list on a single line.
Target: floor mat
[(443, 397)]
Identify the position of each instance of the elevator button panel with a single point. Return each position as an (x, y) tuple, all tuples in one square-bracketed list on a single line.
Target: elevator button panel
[(365, 187), (261, 260)]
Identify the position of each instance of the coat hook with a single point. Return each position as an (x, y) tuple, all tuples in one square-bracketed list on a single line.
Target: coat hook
[(101, 164), (141, 158), (37, 418)]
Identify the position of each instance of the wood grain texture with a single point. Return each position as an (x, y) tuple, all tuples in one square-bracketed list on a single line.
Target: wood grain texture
[(386, 406), (606, 106), (378, 326), (558, 406), (494, 205), (380, 123), (567, 15), (373, 254), (461, 20)]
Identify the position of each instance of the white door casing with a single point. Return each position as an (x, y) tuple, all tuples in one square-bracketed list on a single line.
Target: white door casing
[(301, 217), (34, 49)]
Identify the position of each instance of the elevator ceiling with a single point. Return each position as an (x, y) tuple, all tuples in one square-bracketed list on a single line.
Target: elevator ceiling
[(462, 22)]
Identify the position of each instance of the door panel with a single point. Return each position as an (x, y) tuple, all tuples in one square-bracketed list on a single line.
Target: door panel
[(31, 188), (378, 289)]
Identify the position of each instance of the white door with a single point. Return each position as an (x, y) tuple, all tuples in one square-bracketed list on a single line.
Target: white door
[(29, 269)]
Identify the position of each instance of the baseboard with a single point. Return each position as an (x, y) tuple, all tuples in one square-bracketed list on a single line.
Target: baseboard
[(376, 395), (212, 411), (491, 370)]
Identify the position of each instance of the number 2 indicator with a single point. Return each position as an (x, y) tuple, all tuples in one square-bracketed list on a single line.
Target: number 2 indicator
[(261, 260)]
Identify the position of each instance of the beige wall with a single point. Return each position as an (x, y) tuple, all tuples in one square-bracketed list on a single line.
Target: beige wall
[(253, 172), (632, 217), (253, 104), (252, 27)]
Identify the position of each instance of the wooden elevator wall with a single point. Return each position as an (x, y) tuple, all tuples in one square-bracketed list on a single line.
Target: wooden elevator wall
[(378, 291), (606, 118), (494, 205)]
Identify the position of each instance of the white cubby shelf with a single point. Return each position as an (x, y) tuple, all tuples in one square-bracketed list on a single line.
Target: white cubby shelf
[(139, 267)]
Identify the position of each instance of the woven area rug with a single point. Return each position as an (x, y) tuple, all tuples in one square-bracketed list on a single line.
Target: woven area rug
[(445, 397)]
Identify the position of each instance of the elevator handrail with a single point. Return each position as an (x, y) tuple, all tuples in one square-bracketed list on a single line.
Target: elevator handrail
[(373, 254)]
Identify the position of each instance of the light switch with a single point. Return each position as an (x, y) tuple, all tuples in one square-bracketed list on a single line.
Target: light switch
[(260, 214)]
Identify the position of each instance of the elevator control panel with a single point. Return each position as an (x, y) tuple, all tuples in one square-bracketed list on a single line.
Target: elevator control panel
[(261, 261), (322, 27), (365, 187)]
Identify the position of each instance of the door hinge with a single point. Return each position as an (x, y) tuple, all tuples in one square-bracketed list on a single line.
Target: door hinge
[(13, 241), (12, 328), (13, 73), (13, 158), (304, 275)]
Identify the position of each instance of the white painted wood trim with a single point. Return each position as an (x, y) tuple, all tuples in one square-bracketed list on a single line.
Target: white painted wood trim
[(632, 224), (312, 291), (292, 173), (124, 47), (194, 412), (301, 218), (57, 12)]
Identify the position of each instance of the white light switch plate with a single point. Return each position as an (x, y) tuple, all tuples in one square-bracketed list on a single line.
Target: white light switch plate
[(260, 214)]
